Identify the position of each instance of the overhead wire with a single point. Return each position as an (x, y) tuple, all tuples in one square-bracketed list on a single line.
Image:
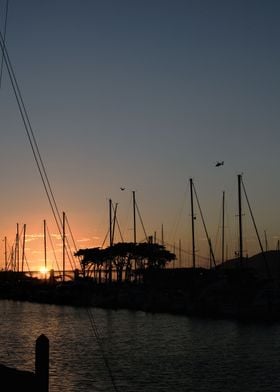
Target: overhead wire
[(29, 132), (43, 175), (205, 229), (31, 137), (142, 224), (4, 38), (216, 242), (73, 240), (54, 255), (105, 238), (119, 229), (256, 229), (99, 342), (180, 214), (116, 222)]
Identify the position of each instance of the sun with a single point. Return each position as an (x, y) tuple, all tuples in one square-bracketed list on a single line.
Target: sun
[(43, 270)]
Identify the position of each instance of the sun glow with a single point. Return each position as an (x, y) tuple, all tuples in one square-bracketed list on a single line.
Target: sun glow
[(43, 270)]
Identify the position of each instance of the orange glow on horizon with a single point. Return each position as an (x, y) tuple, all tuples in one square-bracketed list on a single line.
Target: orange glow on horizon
[(43, 270)]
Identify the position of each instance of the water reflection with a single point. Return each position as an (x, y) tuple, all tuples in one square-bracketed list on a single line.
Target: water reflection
[(145, 352)]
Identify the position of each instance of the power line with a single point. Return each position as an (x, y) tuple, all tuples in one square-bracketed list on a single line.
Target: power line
[(4, 38), (31, 137)]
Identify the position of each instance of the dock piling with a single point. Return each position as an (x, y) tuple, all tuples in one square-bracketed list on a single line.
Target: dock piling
[(42, 363)]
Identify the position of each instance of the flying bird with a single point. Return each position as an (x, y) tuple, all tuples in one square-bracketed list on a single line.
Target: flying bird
[(219, 163), (122, 189)]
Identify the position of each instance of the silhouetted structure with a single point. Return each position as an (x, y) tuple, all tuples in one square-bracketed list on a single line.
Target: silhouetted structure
[(127, 258), (14, 380)]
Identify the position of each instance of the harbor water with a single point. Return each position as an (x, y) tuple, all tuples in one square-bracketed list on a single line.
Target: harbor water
[(131, 351)]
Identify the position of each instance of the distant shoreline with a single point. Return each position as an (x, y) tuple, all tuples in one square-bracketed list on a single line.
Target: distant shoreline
[(207, 294)]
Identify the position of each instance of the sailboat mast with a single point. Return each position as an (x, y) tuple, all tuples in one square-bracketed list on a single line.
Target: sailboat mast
[(240, 220), (23, 247), (45, 244), (223, 229), (266, 243), (192, 215), (110, 222), (17, 250), (63, 246), (6, 254), (210, 255), (180, 254), (114, 223), (134, 217)]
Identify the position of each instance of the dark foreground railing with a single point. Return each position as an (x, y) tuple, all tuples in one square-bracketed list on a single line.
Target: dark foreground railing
[(14, 380)]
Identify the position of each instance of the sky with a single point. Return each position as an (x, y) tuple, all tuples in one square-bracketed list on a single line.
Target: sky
[(144, 95)]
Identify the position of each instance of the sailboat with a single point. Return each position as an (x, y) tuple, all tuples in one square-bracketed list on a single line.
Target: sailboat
[(252, 289)]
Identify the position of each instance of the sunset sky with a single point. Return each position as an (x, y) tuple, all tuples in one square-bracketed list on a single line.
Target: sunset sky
[(143, 95)]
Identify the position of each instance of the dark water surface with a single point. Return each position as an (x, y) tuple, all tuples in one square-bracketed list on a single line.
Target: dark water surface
[(145, 352)]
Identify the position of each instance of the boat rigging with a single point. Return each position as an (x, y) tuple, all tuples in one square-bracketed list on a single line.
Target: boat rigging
[(193, 191)]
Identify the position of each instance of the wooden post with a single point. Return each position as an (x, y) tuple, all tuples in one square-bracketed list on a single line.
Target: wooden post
[(42, 363)]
